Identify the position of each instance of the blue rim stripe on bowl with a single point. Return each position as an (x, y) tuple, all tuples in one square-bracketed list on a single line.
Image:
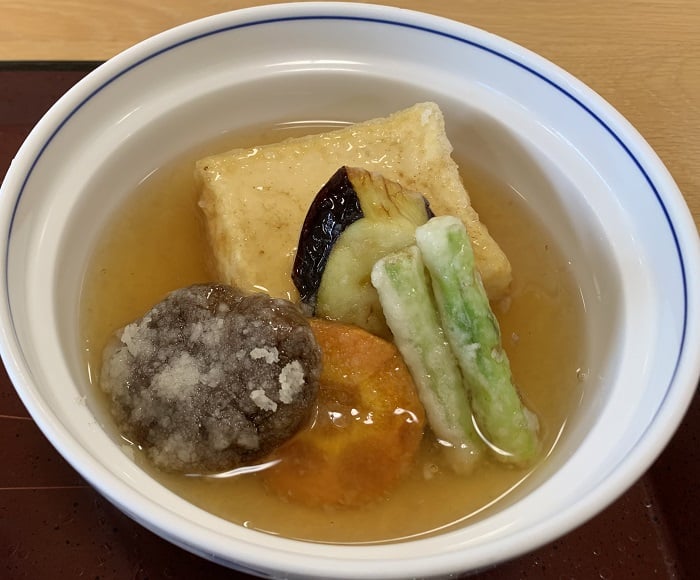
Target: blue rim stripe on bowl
[(522, 65)]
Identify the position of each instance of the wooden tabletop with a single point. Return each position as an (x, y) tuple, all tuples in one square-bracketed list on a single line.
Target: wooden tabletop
[(643, 56)]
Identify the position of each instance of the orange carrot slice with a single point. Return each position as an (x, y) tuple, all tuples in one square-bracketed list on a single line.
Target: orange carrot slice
[(367, 428)]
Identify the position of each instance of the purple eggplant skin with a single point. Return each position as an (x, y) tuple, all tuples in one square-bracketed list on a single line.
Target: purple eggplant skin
[(334, 208)]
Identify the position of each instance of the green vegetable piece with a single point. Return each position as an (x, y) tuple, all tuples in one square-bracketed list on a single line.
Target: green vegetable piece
[(509, 428), (405, 297)]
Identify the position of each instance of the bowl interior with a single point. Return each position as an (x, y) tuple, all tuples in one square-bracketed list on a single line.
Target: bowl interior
[(506, 112)]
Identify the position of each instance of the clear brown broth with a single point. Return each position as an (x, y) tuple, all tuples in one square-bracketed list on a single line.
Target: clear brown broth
[(156, 243)]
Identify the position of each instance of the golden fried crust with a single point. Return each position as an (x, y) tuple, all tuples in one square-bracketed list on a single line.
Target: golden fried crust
[(255, 199)]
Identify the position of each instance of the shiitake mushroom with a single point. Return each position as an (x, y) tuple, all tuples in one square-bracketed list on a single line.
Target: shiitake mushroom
[(210, 379), (356, 218)]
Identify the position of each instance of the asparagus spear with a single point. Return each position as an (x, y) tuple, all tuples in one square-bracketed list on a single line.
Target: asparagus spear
[(406, 300), (472, 330)]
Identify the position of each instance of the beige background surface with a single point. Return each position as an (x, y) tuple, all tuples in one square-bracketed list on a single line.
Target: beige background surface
[(641, 55)]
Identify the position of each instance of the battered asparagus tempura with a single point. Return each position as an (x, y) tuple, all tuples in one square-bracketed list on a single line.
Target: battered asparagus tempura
[(404, 294), (472, 330)]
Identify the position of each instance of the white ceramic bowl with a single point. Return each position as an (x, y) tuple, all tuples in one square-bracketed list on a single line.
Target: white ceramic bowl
[(608, 200)]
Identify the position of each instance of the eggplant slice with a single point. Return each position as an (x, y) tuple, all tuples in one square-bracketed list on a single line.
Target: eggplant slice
[(355, 219), (334, 208)]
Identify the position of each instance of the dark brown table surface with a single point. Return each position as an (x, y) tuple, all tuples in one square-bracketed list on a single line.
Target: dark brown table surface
[(54, 525)]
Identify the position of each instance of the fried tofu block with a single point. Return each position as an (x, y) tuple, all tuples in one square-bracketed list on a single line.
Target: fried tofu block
[(255, 199)]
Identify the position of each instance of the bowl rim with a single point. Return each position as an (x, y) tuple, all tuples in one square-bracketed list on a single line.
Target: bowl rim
[(687, 369)]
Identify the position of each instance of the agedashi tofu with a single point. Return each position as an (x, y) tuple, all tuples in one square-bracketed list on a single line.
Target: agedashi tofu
[(255, 199)]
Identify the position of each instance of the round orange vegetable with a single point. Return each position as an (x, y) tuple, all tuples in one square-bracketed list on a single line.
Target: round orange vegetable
[(367, 428)]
